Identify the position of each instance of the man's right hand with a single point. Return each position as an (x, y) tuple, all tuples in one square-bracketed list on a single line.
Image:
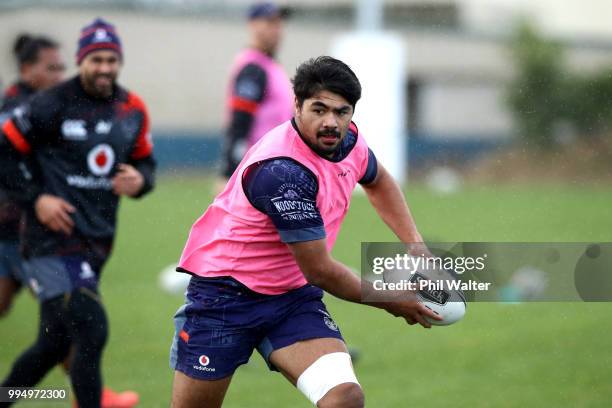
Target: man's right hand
[(321, 270), (412, 311), (54, 213)]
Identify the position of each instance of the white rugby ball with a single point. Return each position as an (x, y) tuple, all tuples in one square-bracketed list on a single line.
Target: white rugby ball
[(448, 303), (173, 282)]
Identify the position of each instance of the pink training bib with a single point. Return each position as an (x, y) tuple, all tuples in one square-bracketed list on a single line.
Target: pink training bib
[(277, 104), (235, 239)]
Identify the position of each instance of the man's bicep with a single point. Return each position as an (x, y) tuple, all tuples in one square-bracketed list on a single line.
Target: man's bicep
[(311, 256)]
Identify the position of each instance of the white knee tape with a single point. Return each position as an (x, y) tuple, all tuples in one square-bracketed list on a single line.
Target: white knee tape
[(324, 374)]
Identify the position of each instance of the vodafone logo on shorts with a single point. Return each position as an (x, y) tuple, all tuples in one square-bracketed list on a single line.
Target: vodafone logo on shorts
[(204, 362), (101, 159)]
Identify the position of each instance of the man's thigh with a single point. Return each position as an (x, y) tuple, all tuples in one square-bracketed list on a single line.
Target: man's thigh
[(215, 331), (293, 360)]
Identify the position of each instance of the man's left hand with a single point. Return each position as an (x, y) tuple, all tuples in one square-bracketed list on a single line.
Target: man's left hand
[(128, 181)]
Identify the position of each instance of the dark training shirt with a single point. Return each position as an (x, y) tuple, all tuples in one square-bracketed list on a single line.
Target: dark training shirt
[(10, 213), (76, 142)]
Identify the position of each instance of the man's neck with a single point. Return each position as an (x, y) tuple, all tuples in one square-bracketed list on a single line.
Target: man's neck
[(263, 50)]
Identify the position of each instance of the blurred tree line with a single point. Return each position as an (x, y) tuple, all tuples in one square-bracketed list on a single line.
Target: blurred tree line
[(550, 102)]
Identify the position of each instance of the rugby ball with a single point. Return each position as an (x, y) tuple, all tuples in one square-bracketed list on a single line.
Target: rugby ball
[(433, 290), (173, 282)]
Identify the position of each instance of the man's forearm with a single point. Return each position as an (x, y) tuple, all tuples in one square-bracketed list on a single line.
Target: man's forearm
[(322, 270), (342, 283), (339, 281)]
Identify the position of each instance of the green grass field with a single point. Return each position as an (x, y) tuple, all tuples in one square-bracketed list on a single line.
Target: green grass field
[(500, 355)]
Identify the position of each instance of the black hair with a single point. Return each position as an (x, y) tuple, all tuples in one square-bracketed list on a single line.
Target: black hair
[(26, 48), (326, 74)]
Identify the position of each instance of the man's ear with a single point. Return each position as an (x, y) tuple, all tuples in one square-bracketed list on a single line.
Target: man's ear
[(296, 106)]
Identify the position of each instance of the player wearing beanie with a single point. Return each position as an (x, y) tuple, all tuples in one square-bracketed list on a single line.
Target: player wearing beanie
[(91, 137)]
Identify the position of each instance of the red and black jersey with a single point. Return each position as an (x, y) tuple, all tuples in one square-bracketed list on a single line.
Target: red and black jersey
[(10, 213), (15, 95), (76, 142)]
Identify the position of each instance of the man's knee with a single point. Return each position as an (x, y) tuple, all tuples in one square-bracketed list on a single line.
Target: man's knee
[(89, 323), (331, 382), (347, 395)]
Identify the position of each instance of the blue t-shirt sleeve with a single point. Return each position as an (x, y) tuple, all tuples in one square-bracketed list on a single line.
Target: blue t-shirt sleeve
[(287, 192), (371, 169)]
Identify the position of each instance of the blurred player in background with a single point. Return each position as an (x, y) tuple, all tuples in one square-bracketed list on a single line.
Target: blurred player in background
[(91, 138), (260, 254), (259, 92), (40, 67)]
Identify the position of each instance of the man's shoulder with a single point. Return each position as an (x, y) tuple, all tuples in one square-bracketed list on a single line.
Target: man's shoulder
[(58, 93), (47, 103), (276, 172), (251, 62), (252, 70), (250, 81), (12, 91), (131, 99), (12, 98), (285, 166)]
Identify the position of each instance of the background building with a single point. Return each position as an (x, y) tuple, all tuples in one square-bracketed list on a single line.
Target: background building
[(457, 61)]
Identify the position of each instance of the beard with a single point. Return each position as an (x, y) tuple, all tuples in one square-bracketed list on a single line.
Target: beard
[(100, 86), (324, 137)]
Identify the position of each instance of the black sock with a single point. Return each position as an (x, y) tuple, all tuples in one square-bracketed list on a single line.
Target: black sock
[(81, 322), (88, 327), (51, 347)]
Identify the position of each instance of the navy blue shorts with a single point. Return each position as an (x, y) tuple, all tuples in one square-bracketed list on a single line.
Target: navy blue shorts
[(223, 321), (52, 276)]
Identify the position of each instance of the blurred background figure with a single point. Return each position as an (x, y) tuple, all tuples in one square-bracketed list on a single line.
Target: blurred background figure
[(40, 66), (259, 95)]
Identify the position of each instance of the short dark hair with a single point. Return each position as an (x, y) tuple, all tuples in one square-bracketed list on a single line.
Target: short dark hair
[(27, 48), (326, 74)]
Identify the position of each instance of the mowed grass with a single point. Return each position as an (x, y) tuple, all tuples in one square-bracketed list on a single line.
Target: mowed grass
[(500, 355)]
